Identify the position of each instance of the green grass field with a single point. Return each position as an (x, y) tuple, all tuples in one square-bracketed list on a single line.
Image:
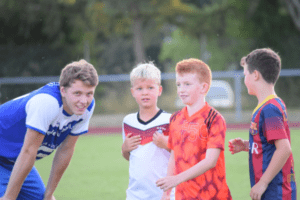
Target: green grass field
[(98, 171)]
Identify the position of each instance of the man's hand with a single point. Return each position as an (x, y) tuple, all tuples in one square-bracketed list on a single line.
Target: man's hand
[(160, 140), (237, 145), (131, 142), (258, 190), (167, 183)]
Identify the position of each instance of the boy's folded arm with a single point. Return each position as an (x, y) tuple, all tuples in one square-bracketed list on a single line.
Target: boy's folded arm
[(161, 141), (279, 158), (130, 143), (166, 143), (209, 162), (125, 152)]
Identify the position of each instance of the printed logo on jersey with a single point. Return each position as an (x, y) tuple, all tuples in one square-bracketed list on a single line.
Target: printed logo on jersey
[(160, 129), (253, 128), (254, 148), (54, 137), (192, 131), (55, 131)]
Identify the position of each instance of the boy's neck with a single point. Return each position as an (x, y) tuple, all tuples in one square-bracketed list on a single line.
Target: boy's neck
[(264, 91), (192, 109), (146, 114)]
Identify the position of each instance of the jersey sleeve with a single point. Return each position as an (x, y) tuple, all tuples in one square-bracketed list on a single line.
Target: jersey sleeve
[(82, 127), (170, 139), (123, 131), (273, 123), (216, 133), (41, 111)]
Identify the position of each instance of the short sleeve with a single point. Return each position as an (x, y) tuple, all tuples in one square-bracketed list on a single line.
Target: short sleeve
[(170, 139), (273, 123), (216, 133), (82, 127), (41, 111)]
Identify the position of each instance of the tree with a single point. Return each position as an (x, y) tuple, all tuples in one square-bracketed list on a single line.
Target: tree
[(204, 31), (294, 10), (121, 15), (38, 39)]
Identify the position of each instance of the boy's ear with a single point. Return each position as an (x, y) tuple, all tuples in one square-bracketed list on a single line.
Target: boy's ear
[(204, 88), (131, 90), (160, 89), (256, 75), (62, 91)]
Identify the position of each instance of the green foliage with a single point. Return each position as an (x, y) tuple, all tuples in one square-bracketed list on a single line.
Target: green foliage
[(178, 47), (39, 37), (226, 52), (220, 24)]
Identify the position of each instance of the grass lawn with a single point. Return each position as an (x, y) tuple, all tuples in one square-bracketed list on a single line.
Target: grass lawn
[(98, 171)]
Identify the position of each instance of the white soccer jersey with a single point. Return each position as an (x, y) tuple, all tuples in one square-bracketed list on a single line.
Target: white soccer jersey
[(147, 163), (42, 111)]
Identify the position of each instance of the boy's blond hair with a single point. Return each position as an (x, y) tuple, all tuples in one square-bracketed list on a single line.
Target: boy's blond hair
[(145, 71), (79, 70), (197, 66)]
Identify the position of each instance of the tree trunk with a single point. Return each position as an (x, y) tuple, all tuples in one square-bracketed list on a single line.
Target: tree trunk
[(86, 51), (138, 46), (204, 55)]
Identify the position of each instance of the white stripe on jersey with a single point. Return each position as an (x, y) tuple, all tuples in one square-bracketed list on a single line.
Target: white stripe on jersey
[(41, 155), (45, 149)]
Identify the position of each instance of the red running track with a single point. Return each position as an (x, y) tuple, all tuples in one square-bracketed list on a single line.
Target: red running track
[(118, 130)]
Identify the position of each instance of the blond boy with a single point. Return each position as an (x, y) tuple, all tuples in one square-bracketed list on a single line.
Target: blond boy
[(145, 135)]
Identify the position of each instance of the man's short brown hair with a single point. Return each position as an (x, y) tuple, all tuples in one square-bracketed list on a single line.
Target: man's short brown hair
[(79, 70)]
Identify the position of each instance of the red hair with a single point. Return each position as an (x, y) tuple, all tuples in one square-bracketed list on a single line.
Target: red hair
[(197, 66)]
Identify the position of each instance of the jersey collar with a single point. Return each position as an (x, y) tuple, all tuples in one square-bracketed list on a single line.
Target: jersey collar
[(196, 114), (153, 118), (272, 96)]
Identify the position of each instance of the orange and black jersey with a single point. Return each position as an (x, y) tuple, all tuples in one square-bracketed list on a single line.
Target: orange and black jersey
[(190, 137)]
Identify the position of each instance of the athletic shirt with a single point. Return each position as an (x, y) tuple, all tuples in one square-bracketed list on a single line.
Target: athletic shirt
[(42, 111), (147, 163), (269, 123), (190, 137)]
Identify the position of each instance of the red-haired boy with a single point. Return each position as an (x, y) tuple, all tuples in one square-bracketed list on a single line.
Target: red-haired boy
[(197, 135)]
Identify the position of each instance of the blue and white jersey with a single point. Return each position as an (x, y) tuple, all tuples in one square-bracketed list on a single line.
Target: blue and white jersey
[(42, 111)]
